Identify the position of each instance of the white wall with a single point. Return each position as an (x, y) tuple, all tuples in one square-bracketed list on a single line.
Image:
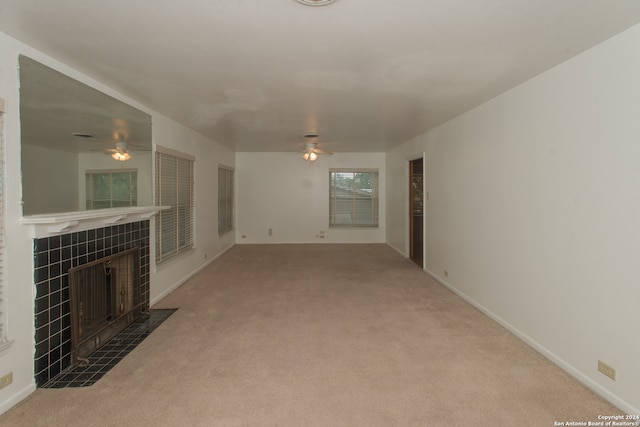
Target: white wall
[(58, 169), (534, 212), (169, 275), (283, 192), (18, 272)]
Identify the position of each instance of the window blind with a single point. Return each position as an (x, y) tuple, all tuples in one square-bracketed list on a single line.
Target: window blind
[(174, 188), (225, 199), (353, 198)]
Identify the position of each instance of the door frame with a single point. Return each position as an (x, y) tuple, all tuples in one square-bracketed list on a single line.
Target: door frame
[(407, 205)]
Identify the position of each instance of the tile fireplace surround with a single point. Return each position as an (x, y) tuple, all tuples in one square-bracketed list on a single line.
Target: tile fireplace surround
[(53, 256)]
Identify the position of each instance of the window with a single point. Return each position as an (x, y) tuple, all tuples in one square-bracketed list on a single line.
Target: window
[(174, 188), (112, 188), (353, 198), (225, 199)]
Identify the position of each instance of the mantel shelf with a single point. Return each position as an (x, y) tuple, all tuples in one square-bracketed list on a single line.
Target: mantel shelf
[(54, 224)]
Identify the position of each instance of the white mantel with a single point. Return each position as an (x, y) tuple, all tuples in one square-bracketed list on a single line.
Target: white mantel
[(62, 223)]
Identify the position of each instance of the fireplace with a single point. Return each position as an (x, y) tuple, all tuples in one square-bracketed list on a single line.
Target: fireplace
[(53, 258), (104, 299)]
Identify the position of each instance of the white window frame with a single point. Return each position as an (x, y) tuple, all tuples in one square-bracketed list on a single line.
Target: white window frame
[(133, 196), (341, 218), (175, 239), (225, 199)]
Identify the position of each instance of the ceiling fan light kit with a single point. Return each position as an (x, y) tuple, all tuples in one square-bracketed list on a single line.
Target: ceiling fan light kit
[(310, 156), (316, 2), (122, 157), (122, 153), (311, 150)]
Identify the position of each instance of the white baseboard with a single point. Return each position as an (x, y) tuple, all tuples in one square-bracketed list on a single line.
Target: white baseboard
[(13, 400), (187, 277), (567, 367), (398, 250)]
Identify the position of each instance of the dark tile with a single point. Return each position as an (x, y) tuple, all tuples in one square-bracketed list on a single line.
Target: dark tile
[(41, 274), (42, 358), (42, 304), (54, 299), (54, 242), (55, 368), (42, 333), (66, 253), (66, 348), (42, 319), (54, 256), (55, 284), (54, 270), (55, 340), (65, 240), (42, 290), (41, 259), (66, 360), (55, 355), (55, 327), (42, 377), (66, 324), (64, 267), (40, 245)]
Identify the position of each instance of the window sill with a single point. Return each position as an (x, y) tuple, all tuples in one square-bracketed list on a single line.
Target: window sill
[(55, 224)]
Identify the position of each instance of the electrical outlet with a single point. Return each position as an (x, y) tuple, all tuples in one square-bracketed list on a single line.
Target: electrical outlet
[(244, 236), (607, 370), (6, 380), (270, 232), (446, 273)]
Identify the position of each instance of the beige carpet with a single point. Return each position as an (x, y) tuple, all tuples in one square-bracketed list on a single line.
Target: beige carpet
[(320, 335)]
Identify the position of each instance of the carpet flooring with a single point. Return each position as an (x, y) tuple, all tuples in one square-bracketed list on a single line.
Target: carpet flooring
[(320, 335)]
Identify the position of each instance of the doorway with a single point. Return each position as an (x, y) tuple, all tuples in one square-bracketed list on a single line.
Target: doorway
[(416, 211)]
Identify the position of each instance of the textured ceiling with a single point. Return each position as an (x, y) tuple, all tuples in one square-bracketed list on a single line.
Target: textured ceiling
[(366, 75)]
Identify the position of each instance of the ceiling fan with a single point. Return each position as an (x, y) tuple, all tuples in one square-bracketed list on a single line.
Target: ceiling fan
[(311, 149), (121, 151)]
